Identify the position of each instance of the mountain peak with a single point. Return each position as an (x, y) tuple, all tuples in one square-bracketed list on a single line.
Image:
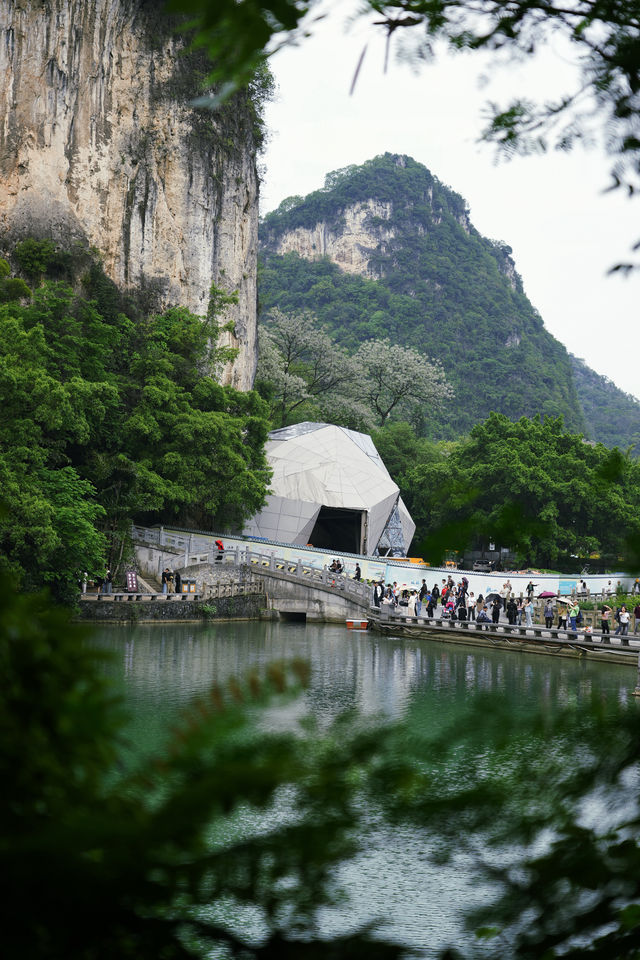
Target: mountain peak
[(385, 249)]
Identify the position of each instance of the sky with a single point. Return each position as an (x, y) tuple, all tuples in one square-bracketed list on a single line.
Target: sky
[(565, 229)]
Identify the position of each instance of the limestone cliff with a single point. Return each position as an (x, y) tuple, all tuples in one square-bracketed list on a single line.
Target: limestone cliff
[(362, 229), (98, 143), (362, 224)]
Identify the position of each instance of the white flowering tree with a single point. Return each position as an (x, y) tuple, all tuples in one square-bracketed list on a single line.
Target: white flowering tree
[(396, 380), (303, 370)]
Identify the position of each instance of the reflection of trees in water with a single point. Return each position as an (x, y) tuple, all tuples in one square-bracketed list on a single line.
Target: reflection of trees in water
[(168, 664)]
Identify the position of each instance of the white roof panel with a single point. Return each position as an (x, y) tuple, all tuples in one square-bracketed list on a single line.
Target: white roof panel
[(319, 464)]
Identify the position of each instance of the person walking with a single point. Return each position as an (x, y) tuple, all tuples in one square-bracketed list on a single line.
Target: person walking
[(528, 612), (616, 617), (548, 614), (605, 621), (472, 606), (520, 610), (177, 579), (625, 616), (358, 573), (496, 607), (166, 580), (636, 617), (108, 582), (562, 618), (512, 611), (574, 610), (411, 604)]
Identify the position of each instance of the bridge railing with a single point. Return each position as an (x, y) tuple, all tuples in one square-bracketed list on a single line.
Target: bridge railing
[(297, 570), (196, 549), (251, 585)]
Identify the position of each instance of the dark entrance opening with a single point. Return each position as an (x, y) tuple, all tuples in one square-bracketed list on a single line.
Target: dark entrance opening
[(293, 616), (338, 529)]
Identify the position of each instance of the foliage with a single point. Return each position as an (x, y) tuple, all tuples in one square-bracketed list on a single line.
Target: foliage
[(236, 35), (398, 379), (107, 858), (302, 367), (11, 288), (401, 450), (439, 288), (305, 374), (531, 485), (604, 33), (612, 416), (34, 256), (551, 812), (39, 258), (104, 419)]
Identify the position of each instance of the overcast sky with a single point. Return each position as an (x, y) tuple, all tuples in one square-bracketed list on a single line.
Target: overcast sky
[(564, 229)]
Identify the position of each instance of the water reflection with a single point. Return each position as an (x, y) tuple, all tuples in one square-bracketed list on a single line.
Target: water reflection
[(161, 667), (165, 665)]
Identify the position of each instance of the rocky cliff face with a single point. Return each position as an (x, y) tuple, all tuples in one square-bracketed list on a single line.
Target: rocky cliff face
[(98, 143), (350, 242)]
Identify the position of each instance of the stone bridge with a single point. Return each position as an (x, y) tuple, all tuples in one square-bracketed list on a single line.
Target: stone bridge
[(293, 590)]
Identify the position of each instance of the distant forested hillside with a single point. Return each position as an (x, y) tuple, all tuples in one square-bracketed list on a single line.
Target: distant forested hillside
[(612, 416), (429, 281)]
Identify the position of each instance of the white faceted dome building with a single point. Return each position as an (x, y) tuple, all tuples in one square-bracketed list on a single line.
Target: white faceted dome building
[(331, 489)]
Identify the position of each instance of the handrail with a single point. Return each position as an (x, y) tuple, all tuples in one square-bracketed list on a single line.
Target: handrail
[(504, 631), (199, 550)]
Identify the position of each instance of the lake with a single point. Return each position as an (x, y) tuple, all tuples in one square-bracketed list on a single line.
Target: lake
[(159, 668)]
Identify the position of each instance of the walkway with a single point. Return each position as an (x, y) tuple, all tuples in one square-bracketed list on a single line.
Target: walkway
[(534, 639)]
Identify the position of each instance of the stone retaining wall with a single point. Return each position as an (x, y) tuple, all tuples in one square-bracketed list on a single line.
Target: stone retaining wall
[(248, 607)]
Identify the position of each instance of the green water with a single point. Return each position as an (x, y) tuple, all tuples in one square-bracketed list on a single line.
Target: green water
[(161, 667)]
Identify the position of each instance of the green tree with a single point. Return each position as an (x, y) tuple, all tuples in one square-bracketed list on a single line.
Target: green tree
[(105, 419), (549, 494), (11, 288), (402, 450), (397, 379)]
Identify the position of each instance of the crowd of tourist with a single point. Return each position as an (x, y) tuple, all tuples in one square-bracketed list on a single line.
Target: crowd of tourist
[(454, 601)]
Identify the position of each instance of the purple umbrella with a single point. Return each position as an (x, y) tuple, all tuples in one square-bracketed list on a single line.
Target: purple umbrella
[(545, 594)]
